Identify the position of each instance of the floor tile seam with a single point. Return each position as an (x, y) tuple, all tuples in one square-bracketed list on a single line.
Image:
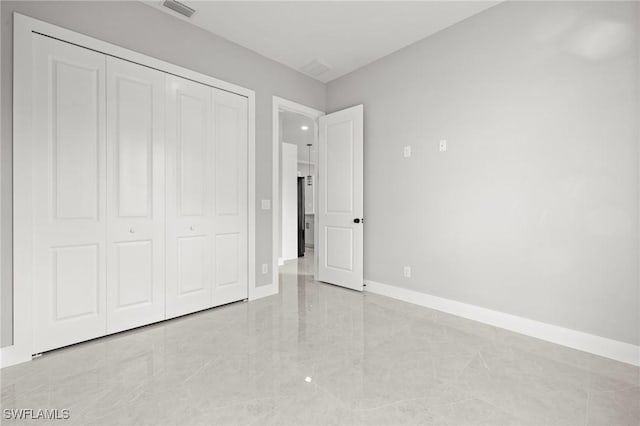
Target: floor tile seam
[(479, 396), (198, 370), (499, 408), (462, 371), (594, 392), (563, 361)]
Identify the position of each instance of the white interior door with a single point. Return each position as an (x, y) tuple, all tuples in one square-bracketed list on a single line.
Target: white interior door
[(340, 198), (135, 202), (69, 194), (189, 193), (230, 197)]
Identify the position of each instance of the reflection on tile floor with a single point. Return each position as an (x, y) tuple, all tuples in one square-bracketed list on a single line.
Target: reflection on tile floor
[(319, 354)]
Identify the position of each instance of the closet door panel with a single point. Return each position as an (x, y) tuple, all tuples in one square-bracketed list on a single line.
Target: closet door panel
[(135, 182), (189, 196), (133, 275), (69, 194), (192, 265), (230, 217), (76, 280), (192, 156)]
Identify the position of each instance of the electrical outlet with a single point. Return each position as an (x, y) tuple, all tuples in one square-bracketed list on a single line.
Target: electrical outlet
[(407, 271), (443, 145), (406, 151), (265, 268)]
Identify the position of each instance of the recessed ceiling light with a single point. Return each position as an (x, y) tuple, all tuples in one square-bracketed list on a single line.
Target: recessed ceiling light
[(305, 128)]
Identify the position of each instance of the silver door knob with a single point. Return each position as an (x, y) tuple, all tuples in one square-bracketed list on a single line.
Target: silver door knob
[(192, 228), (132, 230)]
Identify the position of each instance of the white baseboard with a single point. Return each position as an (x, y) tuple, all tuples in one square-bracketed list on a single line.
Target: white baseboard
[(602, 346), (263, 291), (11, 355)]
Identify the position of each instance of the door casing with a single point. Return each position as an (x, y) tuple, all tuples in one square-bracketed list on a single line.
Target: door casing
[(278, 105)]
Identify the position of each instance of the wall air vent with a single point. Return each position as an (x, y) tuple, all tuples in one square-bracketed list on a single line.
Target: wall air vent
[(181, 8), (315, 68)]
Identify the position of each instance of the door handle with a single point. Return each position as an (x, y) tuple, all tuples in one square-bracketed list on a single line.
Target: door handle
[(132, 230), (358, 220)]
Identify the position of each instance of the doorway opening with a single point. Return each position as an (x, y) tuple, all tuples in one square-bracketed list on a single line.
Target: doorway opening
[(295, 141)]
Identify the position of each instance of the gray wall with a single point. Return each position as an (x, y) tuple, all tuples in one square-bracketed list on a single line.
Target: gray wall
[(533, 210), (149, 31)]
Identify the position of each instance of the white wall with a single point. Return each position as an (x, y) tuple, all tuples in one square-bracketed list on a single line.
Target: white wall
[(289, 200), (533, 210), (138, 27)]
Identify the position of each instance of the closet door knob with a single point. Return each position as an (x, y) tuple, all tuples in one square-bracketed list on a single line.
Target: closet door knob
[(132, 230), (192, 228)]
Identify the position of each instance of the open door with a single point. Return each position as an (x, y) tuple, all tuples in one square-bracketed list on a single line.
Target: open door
[(340, 199)]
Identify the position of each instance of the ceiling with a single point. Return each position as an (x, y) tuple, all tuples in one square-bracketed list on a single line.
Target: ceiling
[(291, 126), (343, 35)]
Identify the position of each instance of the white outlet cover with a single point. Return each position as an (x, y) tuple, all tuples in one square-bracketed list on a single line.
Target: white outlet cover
[(266, 204), (406, 151), (407, 271), (443, 145)]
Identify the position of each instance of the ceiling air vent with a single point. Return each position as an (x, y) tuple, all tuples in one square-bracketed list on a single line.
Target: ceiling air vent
[(315, 68), (181, 8)]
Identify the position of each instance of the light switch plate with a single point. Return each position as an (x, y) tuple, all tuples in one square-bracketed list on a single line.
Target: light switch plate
[(406, 152), (265, 268), (443, 145), (266, 204)]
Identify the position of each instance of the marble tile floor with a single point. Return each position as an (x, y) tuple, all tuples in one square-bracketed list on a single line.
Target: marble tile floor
[(322, 355)]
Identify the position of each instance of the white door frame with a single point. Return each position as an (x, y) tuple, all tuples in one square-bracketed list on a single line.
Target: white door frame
[(281, 104), (23, 28)]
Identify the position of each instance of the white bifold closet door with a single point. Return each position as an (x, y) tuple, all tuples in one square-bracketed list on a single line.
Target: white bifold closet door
[(189, 196), (69, 194), (135, 195), (206, 197), (230, 199), (140, 192)]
